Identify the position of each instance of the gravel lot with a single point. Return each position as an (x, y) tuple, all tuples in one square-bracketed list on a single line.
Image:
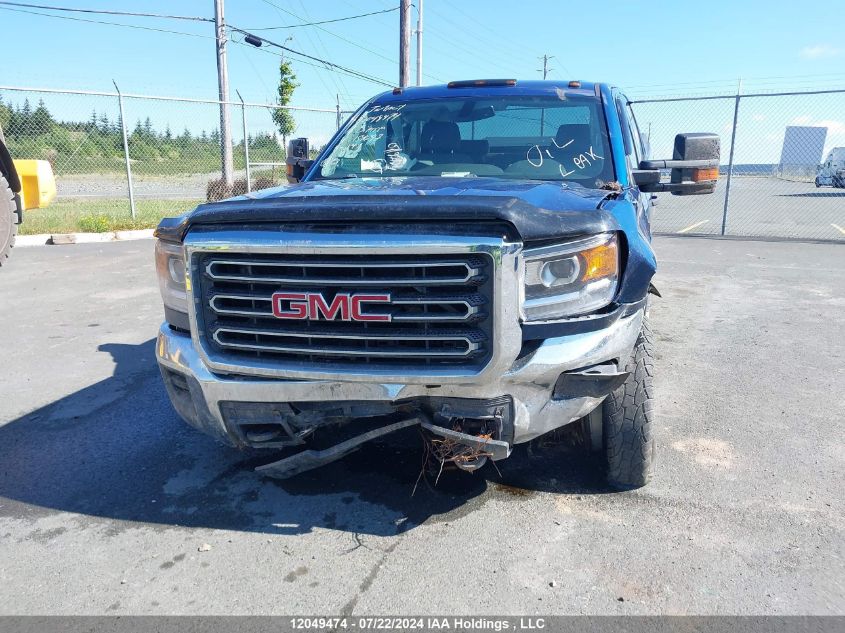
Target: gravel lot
[(111, 505)]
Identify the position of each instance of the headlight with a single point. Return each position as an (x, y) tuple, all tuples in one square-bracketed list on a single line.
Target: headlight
[(170, 266), (570, 279)]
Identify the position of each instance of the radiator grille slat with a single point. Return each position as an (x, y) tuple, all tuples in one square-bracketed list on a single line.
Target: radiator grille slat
[(440, 309)]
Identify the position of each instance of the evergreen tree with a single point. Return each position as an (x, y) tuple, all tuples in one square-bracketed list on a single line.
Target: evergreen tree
[(41, 120)]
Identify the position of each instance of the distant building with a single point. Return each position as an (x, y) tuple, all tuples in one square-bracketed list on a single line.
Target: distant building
[(802, 151)]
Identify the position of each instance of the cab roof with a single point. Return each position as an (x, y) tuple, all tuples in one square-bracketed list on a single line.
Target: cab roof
[(495, 87)]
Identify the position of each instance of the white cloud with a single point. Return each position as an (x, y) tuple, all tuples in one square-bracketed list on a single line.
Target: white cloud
[(820, 51), (833, 126)]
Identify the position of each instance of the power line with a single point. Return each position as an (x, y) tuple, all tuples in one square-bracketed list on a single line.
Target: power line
[(107, 12), (129, 26), (336, 78), (298, 61), (333, 34), (351, 17), (338, 67), (325, 63)]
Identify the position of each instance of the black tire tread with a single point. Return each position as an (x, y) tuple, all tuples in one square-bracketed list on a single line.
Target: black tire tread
[(627, 419), (10, 230)]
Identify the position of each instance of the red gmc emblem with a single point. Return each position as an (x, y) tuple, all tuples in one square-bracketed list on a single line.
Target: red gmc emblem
[(314, 306)]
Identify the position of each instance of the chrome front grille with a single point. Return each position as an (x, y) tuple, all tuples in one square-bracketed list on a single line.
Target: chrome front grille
[(441, 310)]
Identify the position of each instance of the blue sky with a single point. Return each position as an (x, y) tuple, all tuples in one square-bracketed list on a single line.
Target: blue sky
[(652, 48)]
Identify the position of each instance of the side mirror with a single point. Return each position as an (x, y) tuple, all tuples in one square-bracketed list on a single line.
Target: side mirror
[(695, 167), (297, 161)]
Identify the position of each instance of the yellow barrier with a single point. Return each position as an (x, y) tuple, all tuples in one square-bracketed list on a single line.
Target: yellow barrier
[(38, 185)]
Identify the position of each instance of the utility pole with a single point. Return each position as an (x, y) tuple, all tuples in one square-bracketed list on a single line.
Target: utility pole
[(546, 68), (419, 41), (404, 43), (223, 92)]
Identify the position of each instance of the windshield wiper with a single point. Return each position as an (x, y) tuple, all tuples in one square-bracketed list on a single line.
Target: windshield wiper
[(344, 177)]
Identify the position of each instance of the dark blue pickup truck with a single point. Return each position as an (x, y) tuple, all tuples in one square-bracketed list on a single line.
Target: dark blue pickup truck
[(474, 259)]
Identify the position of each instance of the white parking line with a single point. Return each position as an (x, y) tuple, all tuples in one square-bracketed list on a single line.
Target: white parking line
[(838, 228), (692, 226)]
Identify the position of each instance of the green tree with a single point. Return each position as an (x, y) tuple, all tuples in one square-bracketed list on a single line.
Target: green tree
[(42, 121), (5, 116), (282, 117)]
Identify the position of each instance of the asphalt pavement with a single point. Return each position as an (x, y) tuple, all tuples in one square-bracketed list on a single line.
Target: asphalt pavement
[(757, 207), (109, 504)]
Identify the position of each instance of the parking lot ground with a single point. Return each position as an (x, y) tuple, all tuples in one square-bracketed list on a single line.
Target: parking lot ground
[(759, 207), (111, 505)]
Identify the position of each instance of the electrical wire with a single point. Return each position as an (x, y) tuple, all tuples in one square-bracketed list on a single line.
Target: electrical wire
[(298, 61), (351, 17), (129, 26), (336, 79), (333, 34), (108, 12), (330, 77), (328, 64)]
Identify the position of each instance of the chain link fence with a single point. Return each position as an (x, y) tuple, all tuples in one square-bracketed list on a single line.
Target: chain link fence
[(170, 148), (776, 179)]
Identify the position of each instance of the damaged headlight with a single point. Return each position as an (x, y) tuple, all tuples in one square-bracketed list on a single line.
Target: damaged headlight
[(172, 276), (570, 279)]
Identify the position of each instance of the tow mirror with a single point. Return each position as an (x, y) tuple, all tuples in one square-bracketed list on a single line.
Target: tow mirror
[(297, 161), (695, 167)]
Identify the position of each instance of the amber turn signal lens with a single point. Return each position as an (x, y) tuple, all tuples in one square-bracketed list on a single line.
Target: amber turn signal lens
[(600, 262), (700, 175)]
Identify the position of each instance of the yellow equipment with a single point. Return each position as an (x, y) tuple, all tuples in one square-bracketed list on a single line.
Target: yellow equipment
[(38, 185)]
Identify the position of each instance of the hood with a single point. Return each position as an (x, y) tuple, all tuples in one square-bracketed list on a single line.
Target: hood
[(535, 209)]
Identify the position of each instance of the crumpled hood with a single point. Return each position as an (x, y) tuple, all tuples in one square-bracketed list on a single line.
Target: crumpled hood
[(542, 194), (536, 209)]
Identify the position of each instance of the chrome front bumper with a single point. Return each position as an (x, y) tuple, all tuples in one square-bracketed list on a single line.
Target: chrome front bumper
[(196, 391)]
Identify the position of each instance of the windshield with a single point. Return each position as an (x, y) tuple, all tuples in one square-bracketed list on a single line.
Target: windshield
[(544, 138)]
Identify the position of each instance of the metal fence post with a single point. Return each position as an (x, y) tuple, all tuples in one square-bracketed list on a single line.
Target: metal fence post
[(125, 150), (246, 143), (731, 159)]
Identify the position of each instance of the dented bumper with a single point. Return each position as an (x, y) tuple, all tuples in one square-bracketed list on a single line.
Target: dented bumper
[(532, 384)]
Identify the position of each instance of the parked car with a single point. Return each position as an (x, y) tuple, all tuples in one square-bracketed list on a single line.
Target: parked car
[(832, 171), (474, 259)]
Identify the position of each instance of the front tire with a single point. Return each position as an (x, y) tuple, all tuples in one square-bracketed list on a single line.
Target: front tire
[(8, 224), (627, 419)]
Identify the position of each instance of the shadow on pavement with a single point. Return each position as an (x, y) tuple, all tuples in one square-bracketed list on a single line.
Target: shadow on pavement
[(116, 450), (813, 194)]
